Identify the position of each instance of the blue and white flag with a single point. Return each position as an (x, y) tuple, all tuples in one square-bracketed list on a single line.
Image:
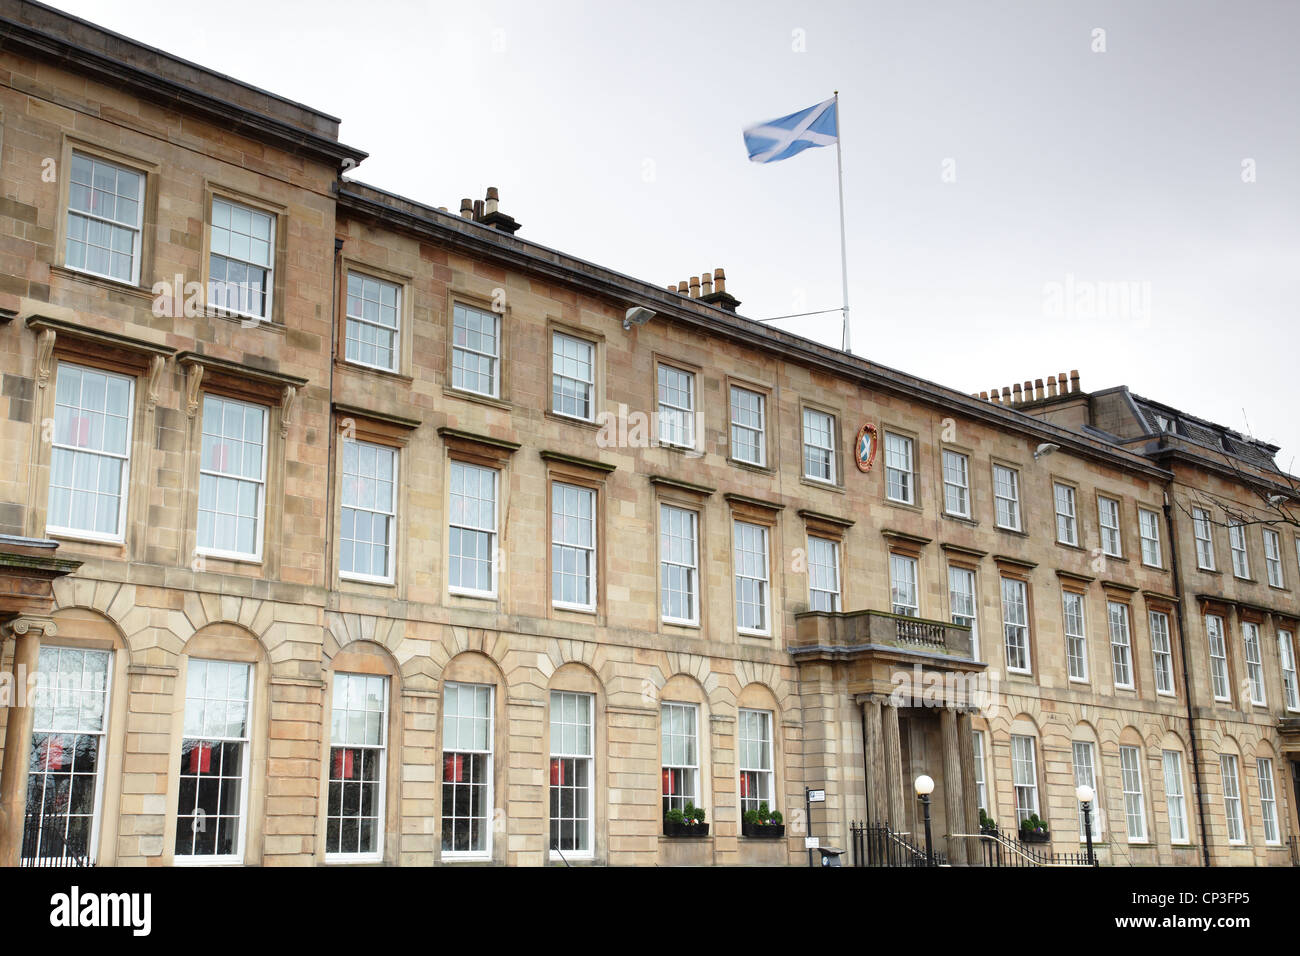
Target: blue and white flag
[(785, 137)]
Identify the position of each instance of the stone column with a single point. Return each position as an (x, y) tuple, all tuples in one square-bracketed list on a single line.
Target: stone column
[(970, 796), (877, 802), (952, 786), (894, 782), (27, 632)]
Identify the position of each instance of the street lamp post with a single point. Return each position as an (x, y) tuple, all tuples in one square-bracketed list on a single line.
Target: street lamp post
[(925, 787), (1086, 796)]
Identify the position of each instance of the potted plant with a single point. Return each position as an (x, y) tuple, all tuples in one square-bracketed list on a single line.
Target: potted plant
[(688, 822), (1033, 829), (987, 823), (762, 823)]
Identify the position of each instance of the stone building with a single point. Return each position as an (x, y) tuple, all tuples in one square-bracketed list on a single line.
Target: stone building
[(345, 529)]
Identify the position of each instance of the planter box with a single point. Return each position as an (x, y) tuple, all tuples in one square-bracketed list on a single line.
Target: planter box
[(684, 830), (1032, 836), (769, 831)]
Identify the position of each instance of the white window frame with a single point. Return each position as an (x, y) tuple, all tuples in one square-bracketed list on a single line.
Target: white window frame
[(493, 358), (1290, 681), (351, 318), (692, 570), (823, 572), (826, 451), (1175, 796), (1252, 651), (1015, 624), (1268, 801), (1084, 754), (1076, 636), (1150, 535), (559, 520), (381, 750), (390, 514), (123, 460), (559, 697), (246, 746), (1203, 531), (1121, 644), (981, 776), (136, 229), (748, 719), (956, 483), (1063, 496), (1108, 523), (260, 482), (758, 431), (685, 414), (763, 584), (1162, 652), (50, 684), (558, 342), (904, 585), (1006, 480), (491, 532), (1238, 546), (963, 604), (1024, 776), (1135, 811), (900, 468), (253, 211), (1231, 782), (1217, 641), (1273, 558), (456, 748), (690, 739)]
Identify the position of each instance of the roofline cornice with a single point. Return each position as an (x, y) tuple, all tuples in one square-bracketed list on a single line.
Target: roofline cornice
[(24, 38), (399, 212)]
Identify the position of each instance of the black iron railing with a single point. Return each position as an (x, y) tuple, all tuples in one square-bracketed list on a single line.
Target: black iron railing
[(1003, 849), (878, 845), (48, 842), (1293, 843)]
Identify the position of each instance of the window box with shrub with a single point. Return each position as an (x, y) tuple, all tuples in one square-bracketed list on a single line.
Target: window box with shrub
[(686, 823), (1034, 830), (762, 823)]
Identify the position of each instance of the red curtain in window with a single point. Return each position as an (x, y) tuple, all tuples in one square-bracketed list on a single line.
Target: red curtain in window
[(201, 758), (557, 772), (668, 783), (744, 785), (343, 764), (453, 768)]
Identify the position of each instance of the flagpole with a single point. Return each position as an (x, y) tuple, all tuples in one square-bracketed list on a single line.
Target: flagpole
[(844, 253)]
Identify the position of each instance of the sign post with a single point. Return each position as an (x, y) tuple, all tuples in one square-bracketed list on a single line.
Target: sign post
[(810, 797)]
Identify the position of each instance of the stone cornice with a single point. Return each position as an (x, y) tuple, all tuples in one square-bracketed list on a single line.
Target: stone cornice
[(34, 41)]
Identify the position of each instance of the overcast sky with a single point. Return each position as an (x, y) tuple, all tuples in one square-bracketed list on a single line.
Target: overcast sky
[(1004, 163)]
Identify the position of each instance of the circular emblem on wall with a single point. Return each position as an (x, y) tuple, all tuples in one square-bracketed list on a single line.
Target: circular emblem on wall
[(864, 450)]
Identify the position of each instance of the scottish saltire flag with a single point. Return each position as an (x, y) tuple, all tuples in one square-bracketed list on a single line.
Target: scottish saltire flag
[(790, 135)]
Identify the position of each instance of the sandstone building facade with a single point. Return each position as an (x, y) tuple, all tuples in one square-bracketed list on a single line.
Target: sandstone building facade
[(343, 529)]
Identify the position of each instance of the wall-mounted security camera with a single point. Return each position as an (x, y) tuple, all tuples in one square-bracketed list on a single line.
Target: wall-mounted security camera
[(637, 315)]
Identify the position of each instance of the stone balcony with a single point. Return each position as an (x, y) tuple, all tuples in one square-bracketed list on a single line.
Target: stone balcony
[(842, 635)]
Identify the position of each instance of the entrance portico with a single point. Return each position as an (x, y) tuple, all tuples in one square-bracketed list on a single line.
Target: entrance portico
[(916, 687)]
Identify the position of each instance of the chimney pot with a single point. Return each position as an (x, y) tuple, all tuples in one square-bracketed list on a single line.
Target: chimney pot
[(695, 287), (984, 396), (1074, 380), (719, 280), (683, 287), (492, 193), (1038, 389), (1016, 395), (706, 284), (1051, 387), (467, 208)]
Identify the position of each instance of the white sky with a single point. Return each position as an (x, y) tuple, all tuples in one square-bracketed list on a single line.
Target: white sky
[(613, 132)]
